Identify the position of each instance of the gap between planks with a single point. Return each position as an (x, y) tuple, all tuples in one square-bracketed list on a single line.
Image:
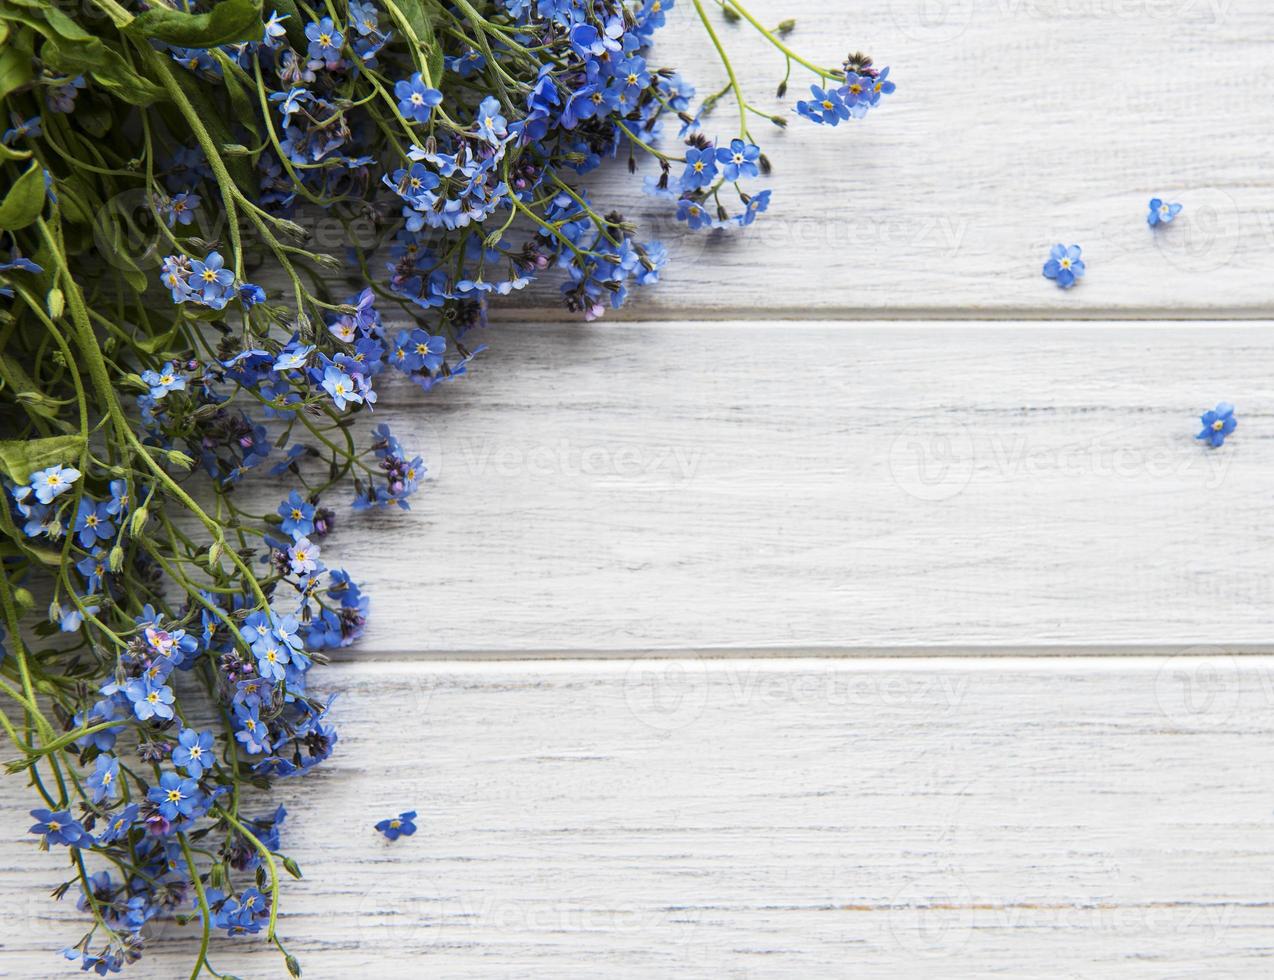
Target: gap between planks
[(1254, 665), (1002, 656), (638, 312)]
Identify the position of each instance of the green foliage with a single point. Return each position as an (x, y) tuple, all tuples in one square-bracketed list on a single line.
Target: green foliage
[(230, 21), (24, 201), (19, 458)]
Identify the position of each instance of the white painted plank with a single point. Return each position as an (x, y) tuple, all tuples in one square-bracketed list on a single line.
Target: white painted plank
[(1017, 124), (784, 819), (829, 487)]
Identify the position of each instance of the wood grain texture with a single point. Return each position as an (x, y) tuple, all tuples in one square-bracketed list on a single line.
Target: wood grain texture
[(1017, 124), (786, 819), (829, 487)]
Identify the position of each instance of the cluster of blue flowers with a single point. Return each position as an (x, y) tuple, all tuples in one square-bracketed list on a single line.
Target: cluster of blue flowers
[(460, 141), (859, 93), (206, 281)]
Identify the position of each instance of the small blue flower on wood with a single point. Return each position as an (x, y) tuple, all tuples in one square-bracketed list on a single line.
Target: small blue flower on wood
[(1161, 212), (1064, 265), (402, 825), (1217, 424)]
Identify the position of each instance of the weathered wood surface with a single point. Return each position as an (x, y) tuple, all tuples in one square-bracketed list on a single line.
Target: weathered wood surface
[(829, 487), (1017, 124), (794, 819), (785, 488)]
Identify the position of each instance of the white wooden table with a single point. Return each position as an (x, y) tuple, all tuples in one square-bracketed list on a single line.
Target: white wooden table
[(860, 604)]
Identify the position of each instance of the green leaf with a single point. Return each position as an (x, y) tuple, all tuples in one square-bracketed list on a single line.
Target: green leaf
[(8, 154), (230, 21), (237, 84), (19, 458), (105, 64), (421, 16), (65, 27), (25, 200), (16, 69), (159, 342), (215, 122), (46, 555), (19, 382)]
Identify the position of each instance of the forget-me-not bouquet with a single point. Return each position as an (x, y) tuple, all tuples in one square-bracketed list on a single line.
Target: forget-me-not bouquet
[(170, 332)]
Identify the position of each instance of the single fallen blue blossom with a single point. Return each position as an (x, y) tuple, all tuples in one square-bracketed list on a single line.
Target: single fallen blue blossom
[(1064, 265), (402, 825), (1218, 423), (1161, 212)]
